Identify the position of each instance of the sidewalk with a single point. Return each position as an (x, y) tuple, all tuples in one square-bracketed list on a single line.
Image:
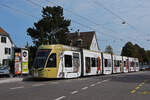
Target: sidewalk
[(10, 80)]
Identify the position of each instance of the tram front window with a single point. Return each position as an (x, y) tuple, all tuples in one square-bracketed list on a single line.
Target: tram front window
[(40, 58)]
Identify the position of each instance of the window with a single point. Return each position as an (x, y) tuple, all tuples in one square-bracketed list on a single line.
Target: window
[(3, 39), (40, 58), (6, 51), (5, 62), (124, 64), (52, 60), (88, 64), (93, 62), (117, 63), (9, 51), (131, 64), (137, 64), (108, 62), (68, 61)]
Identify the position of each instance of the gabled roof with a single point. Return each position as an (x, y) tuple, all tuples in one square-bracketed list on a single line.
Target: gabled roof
[(4, 33), (86, 38)]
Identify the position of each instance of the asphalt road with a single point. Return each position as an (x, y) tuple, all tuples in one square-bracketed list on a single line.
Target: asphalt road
[(130, 86)]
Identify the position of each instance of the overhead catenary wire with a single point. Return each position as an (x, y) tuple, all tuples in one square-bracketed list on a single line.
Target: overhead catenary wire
[(87, 19), (17, 10), (116, 15), (112, 36), (27, 14)]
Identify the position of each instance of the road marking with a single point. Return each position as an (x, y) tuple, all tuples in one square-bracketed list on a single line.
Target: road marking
[(59, 98), (74, 92), (105, 80), (99, 82), (145, 92), (35, 85), (84, 88), (17, 87), (54, 82), (140, 85), (92, 85), (133, 91), (137, 87)]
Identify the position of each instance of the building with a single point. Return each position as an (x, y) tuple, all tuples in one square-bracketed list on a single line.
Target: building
[(86, 40), (6, 47)]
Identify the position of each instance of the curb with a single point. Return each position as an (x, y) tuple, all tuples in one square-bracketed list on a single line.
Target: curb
[(10, 80)]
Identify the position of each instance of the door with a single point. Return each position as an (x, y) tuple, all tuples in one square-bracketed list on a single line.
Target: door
[(76, 62)]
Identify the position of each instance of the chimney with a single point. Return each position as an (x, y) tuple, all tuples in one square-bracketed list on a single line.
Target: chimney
[(78, 32)]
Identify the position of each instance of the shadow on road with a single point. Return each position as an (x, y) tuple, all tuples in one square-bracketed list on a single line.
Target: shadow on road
[(30, 79)]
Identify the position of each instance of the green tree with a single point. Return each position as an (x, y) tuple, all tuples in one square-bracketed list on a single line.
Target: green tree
[(148, 55), (51, 29), (109, 49), (128, 50), (131, 50), (141, 53)]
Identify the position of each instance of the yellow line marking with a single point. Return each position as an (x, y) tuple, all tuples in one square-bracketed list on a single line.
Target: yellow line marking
[(137, 87), (133, 91), (145, 92), (140, 85)]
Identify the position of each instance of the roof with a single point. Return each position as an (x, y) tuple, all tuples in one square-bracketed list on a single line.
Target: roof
[(86, 38), (4, 33)]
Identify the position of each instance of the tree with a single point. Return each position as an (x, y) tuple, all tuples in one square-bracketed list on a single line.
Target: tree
[(109, 49), (148, 56), (128, 50), (51, 29), (136, 51)]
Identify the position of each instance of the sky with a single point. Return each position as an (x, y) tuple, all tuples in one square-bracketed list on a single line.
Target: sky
[(105, 17)]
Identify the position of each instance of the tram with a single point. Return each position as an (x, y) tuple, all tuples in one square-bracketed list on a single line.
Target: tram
[(60, 61)]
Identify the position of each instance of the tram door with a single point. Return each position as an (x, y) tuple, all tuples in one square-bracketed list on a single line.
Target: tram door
[(76, 62)]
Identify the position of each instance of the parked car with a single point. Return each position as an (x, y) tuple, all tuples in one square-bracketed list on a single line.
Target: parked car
[(144, 67), (4, 71)]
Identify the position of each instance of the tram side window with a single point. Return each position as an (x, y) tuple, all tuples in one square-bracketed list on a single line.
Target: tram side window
[(124, 63), (88, 64), (117, 63), (108, 62), (52, 60), (93, 62), (132, 64), (137, 64), (68, 61)]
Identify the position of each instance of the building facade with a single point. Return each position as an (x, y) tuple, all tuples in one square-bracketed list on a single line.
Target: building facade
[(6, 47), (86, 40)]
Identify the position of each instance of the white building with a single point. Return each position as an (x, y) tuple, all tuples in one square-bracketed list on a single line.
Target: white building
[(88, 40), (6, 47)]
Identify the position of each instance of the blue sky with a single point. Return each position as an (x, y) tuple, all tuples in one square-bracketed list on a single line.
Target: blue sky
[(109, 28)]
